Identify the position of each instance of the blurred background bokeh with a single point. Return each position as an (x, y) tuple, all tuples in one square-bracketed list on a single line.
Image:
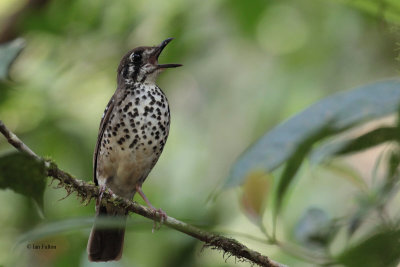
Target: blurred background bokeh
[(248, 65)]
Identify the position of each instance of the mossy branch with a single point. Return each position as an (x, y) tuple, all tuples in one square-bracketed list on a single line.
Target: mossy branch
[(87, 191)]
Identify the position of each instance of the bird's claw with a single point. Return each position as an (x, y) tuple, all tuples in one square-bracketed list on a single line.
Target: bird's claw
[(102, 189), (163, 217)]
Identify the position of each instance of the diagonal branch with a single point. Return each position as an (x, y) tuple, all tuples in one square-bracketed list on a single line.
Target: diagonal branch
[(87, 191)]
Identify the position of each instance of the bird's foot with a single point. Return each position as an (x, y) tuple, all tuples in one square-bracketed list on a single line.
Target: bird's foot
[(162, 214), (163, 217), (111, 192), (102, 189)]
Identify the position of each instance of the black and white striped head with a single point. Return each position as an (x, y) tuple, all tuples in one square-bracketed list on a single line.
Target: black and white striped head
[(141, 64)]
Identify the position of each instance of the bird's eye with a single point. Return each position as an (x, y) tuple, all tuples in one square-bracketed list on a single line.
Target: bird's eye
[(135, 57)]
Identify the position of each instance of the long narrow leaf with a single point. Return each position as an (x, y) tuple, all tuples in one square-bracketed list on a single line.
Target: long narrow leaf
[(349, 146), (336, 113)]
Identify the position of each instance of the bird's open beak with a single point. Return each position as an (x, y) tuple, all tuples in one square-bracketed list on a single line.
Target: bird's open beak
[(158, 51)]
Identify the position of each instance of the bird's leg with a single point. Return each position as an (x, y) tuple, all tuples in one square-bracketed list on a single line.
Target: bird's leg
[(102, 189), (162, 213)]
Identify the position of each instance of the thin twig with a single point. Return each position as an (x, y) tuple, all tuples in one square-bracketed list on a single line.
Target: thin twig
[(87, 191), (16, 142)]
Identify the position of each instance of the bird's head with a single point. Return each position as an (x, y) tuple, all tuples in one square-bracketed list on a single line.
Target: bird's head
[(141, 64)]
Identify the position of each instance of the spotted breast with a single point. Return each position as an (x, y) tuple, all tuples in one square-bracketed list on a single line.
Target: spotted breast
[(134, 138)]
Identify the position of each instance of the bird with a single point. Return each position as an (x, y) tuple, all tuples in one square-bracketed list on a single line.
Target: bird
[(132, 134)]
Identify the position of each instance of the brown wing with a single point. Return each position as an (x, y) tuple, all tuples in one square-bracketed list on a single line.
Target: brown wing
[(103, 123)]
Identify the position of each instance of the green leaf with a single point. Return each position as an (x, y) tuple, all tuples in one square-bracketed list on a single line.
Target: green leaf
[(349, 146), (388, 187), (379, 250), (325, 118), (394, 163), (23, 174), (287, 176), (8, 53)]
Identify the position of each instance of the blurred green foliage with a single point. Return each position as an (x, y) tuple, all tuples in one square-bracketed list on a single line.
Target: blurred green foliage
[(24, 175), (247, 66), (365, 253)]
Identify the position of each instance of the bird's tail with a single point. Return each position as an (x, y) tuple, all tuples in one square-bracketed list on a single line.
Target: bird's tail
[(106, 244)]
